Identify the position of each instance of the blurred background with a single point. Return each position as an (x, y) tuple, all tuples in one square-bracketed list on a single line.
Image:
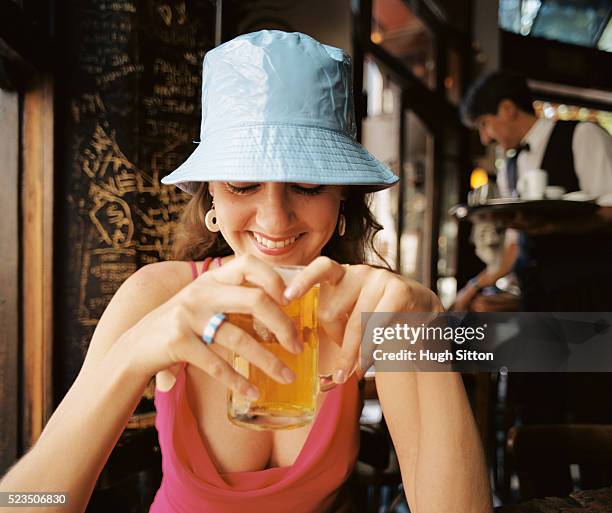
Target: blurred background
[(99, 99)]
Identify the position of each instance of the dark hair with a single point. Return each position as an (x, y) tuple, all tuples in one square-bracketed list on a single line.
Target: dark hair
[(193, 241), (485, 95)]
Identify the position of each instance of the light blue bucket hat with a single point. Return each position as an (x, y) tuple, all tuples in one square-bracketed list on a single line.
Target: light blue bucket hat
[(278, 107)]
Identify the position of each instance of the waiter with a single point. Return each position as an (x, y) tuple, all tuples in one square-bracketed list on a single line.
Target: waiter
[(561, 265)]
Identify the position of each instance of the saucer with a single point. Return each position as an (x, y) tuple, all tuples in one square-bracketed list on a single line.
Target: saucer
[(579, 196)]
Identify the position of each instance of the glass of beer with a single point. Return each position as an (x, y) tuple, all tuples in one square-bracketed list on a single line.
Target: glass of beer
[(280, 406)]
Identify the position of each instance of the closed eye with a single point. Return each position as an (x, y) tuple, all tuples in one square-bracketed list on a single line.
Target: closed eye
[(309, 190), (240, 188), (246, 187)]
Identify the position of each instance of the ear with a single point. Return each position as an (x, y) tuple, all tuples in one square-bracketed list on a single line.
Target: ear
[(507, 110), (211, 189)]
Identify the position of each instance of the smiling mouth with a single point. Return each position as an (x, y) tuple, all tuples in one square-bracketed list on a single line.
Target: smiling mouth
[(275, 244)]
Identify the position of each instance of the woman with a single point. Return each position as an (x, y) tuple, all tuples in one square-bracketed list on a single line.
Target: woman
[(277, 179)]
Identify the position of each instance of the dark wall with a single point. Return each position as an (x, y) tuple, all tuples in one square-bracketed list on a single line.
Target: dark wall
[(128, 109)]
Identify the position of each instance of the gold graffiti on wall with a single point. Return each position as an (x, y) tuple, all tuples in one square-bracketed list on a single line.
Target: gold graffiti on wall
[(122, 224), (133, 110)]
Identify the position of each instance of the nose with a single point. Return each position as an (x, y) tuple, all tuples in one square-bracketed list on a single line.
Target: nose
[(484, 137), (275, 214)]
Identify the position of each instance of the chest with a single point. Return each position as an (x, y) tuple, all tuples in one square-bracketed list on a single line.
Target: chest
[(236, 449), (551, 147)]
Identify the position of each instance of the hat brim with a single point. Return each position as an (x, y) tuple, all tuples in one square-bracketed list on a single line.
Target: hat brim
[(281, 153)]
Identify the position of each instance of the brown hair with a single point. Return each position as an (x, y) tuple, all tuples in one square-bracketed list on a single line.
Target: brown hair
[(193, 241)]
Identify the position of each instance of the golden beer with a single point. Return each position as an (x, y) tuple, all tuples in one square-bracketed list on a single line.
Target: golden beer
[(280, 406)]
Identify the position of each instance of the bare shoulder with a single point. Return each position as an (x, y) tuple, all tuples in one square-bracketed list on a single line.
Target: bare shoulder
[(149, 287), (160, 278), (145, 290)]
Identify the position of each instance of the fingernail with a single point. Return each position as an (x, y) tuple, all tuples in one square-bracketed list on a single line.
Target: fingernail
[(288, 375), (326, 383), (339, 376), (291, 292), (252, 394)]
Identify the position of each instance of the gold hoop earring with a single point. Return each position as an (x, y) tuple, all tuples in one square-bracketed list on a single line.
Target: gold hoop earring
[(341, 221), (211, 220)]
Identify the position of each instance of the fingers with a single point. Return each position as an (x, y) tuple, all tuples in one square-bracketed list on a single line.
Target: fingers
[(321, 269), (196, 353), (240, 342), (335, 304), (337, 295), (217, 296), (193, 350), (248, 269), (262, 300), (367, 302), (381, 294), (236, 299)]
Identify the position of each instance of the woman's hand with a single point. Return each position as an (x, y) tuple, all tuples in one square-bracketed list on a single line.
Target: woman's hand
[(347, 291), (172, 333)]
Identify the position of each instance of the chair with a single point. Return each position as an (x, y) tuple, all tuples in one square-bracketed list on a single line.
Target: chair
[(132, 475), (545, 399), (550, 460), (376, 483)]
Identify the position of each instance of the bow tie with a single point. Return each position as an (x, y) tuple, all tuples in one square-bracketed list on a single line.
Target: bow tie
[(511, 167), (514, 152)]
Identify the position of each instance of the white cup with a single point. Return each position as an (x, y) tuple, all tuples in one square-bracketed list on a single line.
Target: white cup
[(554, 192), (532, 184)]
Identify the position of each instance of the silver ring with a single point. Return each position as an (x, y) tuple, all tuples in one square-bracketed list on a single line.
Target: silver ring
[(211, 328)]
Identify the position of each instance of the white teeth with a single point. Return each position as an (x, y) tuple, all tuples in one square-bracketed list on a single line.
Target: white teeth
[(272, 244)]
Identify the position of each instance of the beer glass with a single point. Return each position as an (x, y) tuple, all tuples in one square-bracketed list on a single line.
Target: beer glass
[(280, 406)]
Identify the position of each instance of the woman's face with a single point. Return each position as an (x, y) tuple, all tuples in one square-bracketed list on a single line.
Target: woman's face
[(278, 222)]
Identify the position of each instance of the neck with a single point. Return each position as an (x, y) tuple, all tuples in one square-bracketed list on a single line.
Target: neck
[(524, 122)]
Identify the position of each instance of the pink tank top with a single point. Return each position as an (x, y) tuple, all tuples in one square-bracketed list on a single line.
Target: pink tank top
[(191, 482)]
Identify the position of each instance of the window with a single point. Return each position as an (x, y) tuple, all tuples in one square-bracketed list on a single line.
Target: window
[(584, 22)]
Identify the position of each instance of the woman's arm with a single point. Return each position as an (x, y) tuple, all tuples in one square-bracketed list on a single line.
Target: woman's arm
[(437, 442), (77, 441), (70, 457), (428, 414), (150, 325)]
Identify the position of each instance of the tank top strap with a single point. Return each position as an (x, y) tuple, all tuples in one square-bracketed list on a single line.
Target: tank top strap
[(194, 269), (205, 266)]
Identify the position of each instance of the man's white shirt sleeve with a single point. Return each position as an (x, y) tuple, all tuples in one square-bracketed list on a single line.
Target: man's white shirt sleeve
[(592, 148)]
